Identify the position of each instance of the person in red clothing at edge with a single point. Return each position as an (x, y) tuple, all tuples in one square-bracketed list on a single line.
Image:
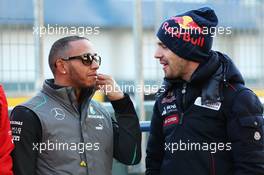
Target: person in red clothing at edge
[(6, 143)]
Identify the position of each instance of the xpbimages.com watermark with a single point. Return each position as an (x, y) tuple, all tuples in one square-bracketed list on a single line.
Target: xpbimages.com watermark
[(213, 31), (195, 146), (147, 89), (65, 30), (62, 146)]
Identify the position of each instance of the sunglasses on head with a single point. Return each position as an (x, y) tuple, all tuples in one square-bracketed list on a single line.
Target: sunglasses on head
[(87, 59)]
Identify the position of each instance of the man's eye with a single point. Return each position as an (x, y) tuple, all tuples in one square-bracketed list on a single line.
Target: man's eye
[(163, 46)]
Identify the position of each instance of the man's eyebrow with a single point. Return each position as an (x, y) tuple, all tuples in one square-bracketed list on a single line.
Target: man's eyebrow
[(160, 43)]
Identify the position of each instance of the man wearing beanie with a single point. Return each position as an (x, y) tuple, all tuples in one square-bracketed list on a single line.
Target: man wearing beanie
[(205, 121)]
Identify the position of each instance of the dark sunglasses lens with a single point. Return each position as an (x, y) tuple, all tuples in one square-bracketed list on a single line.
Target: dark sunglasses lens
[(91, 58), (97, 59)]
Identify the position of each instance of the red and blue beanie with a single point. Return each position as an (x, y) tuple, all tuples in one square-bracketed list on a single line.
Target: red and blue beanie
[(189, 35)]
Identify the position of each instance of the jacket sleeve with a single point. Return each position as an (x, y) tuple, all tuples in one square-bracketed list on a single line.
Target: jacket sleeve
[(6, 145), (155, 146), (26, 129), (245, 128), (127, 134)]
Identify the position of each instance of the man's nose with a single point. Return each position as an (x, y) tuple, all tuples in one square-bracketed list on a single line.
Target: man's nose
[(157, 54), (95, 65)]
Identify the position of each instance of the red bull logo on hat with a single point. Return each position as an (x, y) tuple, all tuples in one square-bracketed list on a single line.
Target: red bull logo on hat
[(188, 30), (186, 22)]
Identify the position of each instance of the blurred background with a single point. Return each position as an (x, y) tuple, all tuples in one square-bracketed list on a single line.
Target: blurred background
[(123, 33)]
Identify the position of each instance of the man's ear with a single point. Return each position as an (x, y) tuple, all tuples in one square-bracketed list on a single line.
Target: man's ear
[(60, 66)]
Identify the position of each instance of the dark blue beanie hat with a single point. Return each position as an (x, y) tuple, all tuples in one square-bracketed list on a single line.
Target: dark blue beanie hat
[(188, 35)]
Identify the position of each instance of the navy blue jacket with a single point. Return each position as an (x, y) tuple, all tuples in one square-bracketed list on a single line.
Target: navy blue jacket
[(211, 125)]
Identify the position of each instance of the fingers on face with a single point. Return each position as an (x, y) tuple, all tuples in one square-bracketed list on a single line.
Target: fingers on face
[(104, 76), (101, 82)]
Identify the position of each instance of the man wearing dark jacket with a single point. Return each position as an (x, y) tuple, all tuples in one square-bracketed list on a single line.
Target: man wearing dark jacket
[(206, 121), (62, 130)]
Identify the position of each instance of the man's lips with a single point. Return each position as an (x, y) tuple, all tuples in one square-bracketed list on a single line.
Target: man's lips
[(164, 64), (92, 74)]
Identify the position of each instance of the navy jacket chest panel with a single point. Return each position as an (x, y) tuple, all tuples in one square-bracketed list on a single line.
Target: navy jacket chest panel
[(197, 123), (205, 123)]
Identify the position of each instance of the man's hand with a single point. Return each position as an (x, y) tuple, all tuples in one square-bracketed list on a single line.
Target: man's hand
[(110, 88)]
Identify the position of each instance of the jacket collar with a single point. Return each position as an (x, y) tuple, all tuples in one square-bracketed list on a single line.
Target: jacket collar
[(209, 76), (65, 94)]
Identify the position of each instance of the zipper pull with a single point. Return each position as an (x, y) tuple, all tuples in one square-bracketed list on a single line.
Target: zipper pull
[(183, 95), (83, 164), (184, 88)]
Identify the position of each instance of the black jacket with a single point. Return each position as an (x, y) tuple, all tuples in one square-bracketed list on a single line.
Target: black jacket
[(210, 125)]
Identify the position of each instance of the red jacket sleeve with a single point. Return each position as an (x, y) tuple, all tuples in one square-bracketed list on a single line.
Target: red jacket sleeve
[(6, 144)]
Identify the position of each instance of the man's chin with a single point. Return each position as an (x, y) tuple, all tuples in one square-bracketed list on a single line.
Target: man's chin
[(168, 76), (90, 85)]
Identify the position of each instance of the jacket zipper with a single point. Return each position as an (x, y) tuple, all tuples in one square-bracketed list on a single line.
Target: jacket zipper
[(183, 101), (83, 162), (83, 158), (212, 164), (82, 155)]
